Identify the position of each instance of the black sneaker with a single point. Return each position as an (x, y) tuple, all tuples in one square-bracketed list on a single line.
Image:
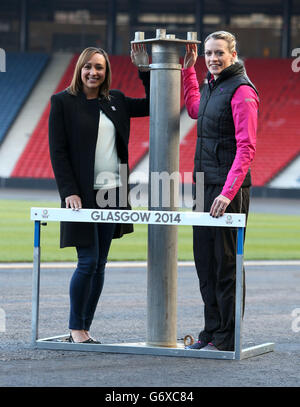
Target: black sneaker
[(196, 345)]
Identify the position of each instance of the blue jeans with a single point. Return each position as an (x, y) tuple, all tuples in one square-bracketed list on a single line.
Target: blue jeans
[(87, 281)]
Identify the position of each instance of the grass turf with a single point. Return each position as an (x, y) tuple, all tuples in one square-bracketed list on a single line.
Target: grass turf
[(268, 236)]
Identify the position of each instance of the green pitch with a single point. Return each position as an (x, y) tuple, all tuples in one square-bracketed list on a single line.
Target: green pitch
[(268, 236)]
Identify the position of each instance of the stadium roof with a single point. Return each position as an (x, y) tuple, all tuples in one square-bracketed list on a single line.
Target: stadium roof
[(219, 7)]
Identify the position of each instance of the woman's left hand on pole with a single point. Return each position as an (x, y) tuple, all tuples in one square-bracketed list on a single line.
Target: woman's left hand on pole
[(191, 55), (219, 206), (139, 57)]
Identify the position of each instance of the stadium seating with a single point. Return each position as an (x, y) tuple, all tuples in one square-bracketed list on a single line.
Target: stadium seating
[(34, 162), (278, 135), (278, 138), (124, 78), (22, 72)]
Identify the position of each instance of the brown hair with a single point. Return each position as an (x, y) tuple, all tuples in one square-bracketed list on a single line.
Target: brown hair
[(226, 36), (84, 57)]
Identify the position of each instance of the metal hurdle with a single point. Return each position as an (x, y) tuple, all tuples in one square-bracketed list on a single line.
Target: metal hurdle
[(164, 157), (167, 218)]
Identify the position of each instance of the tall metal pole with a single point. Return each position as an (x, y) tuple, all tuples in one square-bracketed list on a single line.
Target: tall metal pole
[(163, 159)]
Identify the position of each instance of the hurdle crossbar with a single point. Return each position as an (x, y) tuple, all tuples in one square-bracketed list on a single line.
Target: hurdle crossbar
[(43, 215)]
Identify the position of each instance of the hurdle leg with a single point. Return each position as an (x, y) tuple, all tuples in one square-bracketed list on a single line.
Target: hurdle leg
[(240, 353), (36, 282), (239, 283)]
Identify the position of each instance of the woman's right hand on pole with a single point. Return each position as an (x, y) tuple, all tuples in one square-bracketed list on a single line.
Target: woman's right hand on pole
[(73, 202), (191, 55)]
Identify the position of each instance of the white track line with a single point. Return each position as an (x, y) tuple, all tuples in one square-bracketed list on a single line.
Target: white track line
[(136, 264)]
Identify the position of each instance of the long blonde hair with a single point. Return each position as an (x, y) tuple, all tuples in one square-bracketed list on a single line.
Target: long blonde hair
[(84, 57), (226, 36)]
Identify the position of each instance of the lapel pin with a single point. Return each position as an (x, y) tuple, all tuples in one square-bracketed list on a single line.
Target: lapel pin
[(113, 108)]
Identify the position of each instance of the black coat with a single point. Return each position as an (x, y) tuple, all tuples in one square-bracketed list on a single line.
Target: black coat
[(73, 132)]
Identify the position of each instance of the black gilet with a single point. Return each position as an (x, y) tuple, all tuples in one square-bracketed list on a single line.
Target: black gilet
[(216, 144)]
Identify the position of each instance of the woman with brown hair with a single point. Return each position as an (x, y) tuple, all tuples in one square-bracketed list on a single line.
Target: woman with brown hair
[(89, 128)]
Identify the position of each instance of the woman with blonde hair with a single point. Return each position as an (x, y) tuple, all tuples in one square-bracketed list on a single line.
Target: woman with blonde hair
[(89, 127), (226, 112)]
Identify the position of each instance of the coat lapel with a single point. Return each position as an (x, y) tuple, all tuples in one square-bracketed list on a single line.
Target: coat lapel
[(113, 112)]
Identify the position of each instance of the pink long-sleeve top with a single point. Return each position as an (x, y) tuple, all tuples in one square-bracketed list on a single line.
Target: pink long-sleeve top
[(244, 105)]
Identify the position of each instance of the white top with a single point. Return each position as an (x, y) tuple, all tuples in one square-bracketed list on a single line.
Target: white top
[(106, 175)]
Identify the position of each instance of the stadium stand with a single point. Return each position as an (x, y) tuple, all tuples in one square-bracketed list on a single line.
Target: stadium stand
[(278, 138), (278, 135), (124, 78), (22, 72), (34, 161)]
